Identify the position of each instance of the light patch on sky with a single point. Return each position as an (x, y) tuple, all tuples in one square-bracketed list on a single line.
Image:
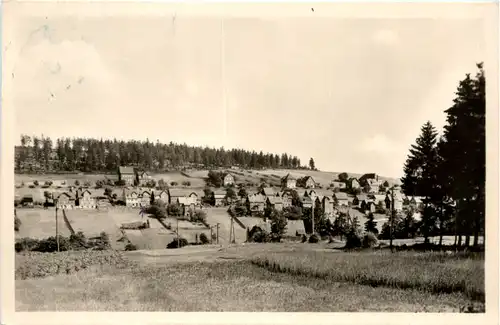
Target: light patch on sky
[(352, 93)]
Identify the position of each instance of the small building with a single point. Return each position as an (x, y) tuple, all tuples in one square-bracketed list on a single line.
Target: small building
[(328, 205), (353, 183), (228, 179), (145, 199), (219, 198), (274, 202), (341, 199), (86, 200), (359, 199), (131, 198), (306, 202), (268, 191), (27, 200), (286, 198), (143, 178), (288, 181), (255, 203), (308, 182), (162, 195), (398, 201), (66, 201), (126, 174)]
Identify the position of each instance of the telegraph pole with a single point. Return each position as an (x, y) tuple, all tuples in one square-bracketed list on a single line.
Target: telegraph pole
[(57, 229), (217, 233), (392, 218)]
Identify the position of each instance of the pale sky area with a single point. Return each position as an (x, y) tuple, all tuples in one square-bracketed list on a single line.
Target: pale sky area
[(352, 93)]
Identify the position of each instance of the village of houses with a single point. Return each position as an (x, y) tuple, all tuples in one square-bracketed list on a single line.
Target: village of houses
[(135, 193)]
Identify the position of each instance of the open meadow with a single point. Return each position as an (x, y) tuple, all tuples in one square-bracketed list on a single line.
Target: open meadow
[(40, 223), (257, 277)]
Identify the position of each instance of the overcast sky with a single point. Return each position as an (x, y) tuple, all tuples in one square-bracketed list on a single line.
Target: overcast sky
[(352, 93)]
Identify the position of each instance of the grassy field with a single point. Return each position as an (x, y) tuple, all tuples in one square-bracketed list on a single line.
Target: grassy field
[(266, 277), (40, 223)]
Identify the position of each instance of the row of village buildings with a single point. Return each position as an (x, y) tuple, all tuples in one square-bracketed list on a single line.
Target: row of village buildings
[(190, 199)]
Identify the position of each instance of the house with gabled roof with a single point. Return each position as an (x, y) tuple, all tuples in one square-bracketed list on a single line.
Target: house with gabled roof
[(308, 182), (398, 200), (289, 181), (255, 203), (328, 204), (132, 198), (86, 200), (306, 202), (353, 183), (66, 201), (126, 174), (268, 191), (143, 177), (219, 197), (274, 202), (228, 179)]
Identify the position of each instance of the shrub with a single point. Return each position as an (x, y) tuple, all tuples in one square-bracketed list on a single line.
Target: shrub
[(157, 211), (35, 183), (313, 239), (258, 235), (49, 245), (174, 210), (353, 240), (17, 223), (204, 238), (178, 243), (369, 240), (304, 238), (174, 183), (32, 186), (130, 247), (120, 182), (77, 183), (186, 183), (26, 244), (199, 216)]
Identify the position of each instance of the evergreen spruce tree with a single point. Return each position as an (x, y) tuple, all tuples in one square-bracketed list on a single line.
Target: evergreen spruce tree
[(463, 153)]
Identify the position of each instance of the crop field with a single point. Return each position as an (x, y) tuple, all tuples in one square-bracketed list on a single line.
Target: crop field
[(179, 178), (40, 223), (69, 178), (150, 238), (121, 215), (93, 222), (266, 277)]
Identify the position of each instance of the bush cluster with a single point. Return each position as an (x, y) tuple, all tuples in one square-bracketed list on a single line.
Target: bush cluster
[(35, 264), (75, 242)]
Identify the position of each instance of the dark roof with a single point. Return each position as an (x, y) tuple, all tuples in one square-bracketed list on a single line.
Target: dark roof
[(126, 170), (368, 176), (288, 176)]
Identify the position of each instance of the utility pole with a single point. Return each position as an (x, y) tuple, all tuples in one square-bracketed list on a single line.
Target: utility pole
[(392, 218), (57, 229), (217, 233)]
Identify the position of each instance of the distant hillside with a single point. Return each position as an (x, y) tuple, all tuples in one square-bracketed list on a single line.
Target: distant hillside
[(41, 154)]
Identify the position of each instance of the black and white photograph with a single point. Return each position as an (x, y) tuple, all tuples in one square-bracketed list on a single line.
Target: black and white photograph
[(288, 158)]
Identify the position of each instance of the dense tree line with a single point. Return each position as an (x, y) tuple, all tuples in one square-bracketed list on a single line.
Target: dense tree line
[(98, 155), (450, 171)]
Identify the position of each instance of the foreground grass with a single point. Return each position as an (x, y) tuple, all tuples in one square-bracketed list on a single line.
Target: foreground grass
[(431, 272), (217, 286)]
